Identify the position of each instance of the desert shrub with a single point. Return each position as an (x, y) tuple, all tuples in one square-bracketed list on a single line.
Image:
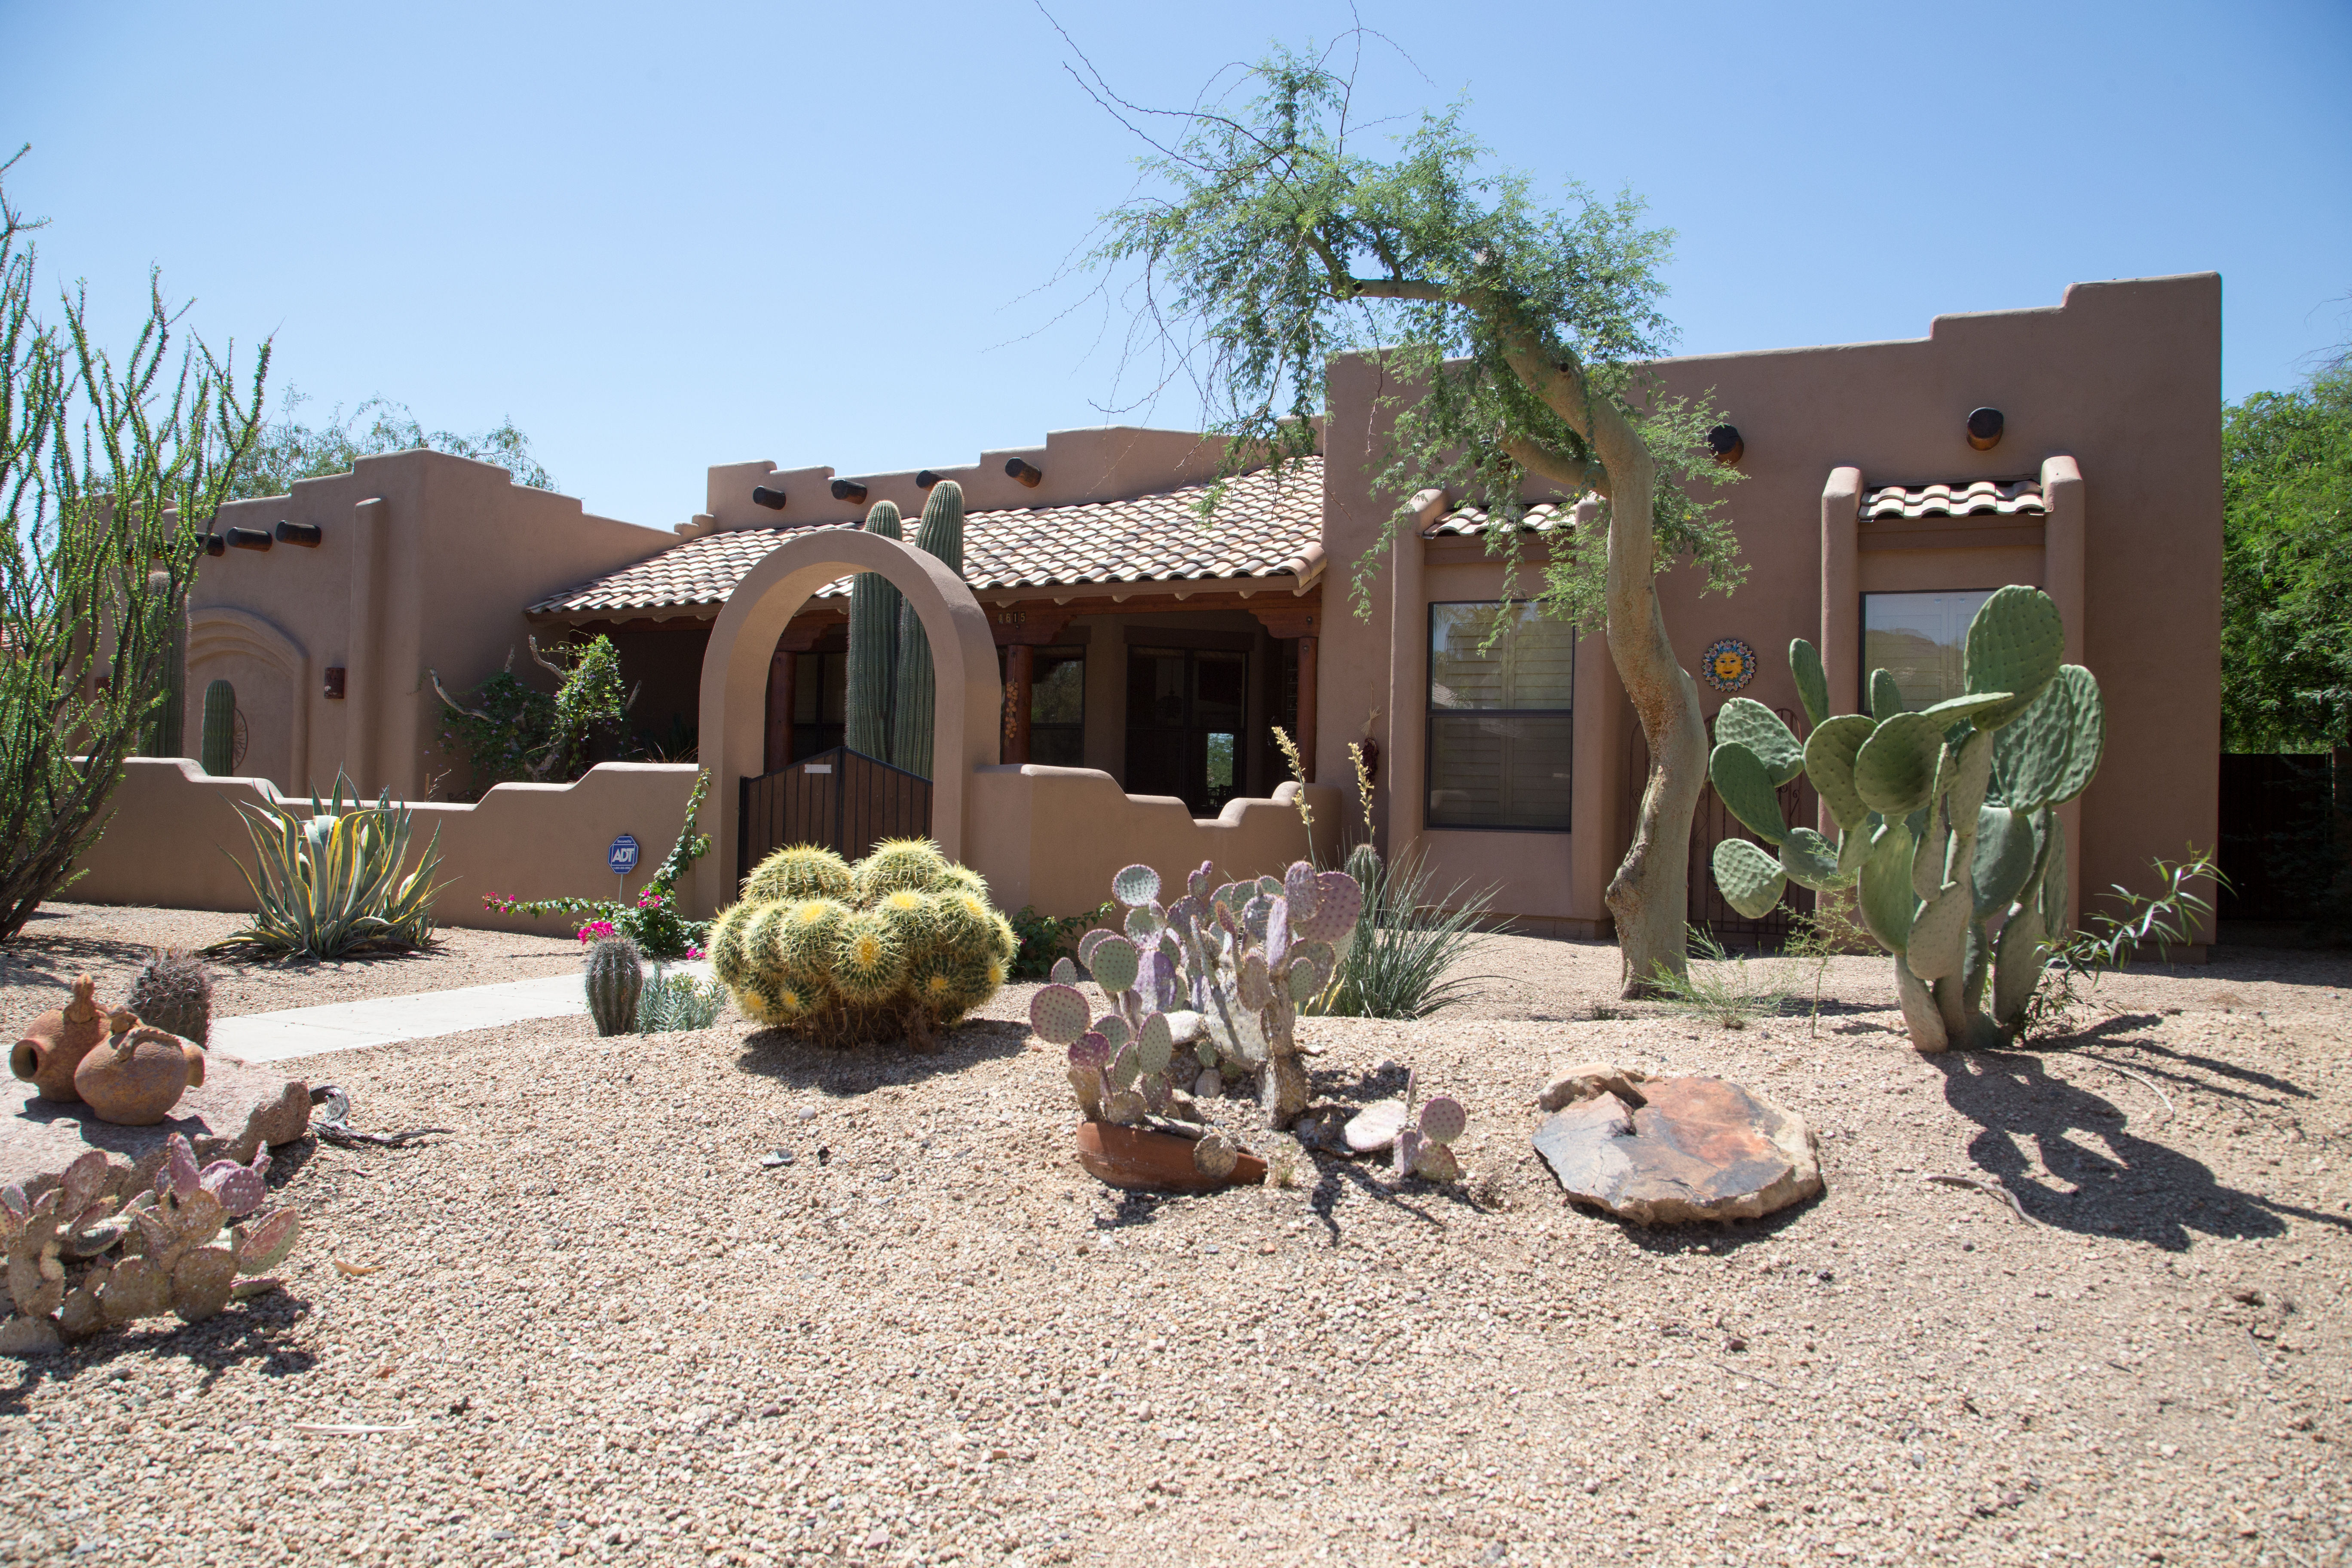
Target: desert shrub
[(1044, 938), (1408, 942), (1726, 989), (910, 947), (671, 1004)]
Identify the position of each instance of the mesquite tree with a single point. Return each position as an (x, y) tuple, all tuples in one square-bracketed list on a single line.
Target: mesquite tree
[(110, 474), (1515, 338)]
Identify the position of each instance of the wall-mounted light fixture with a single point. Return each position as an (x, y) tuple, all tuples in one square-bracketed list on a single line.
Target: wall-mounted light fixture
[(926, 480), (306, 534), (334, 683), (1014, 469), (249, 539), (1725, 443), (849, 490), (762, 496), (1984, 429)]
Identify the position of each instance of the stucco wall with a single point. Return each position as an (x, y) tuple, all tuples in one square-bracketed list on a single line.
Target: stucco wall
[(171, 821), (1052, 837), (2124, 378), (424, 559)]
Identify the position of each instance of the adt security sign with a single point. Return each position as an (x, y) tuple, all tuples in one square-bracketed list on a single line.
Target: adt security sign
[(623, 855)]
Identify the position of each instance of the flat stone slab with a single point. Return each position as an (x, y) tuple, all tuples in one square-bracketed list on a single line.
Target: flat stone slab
[(1685, 1149), (41, 1136)]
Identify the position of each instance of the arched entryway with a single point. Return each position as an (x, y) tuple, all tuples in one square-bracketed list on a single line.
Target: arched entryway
[(735, 681)]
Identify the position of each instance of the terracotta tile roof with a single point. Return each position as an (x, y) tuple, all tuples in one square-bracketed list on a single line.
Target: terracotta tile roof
[(1260, 529), (1542, 517), (1983, 498)]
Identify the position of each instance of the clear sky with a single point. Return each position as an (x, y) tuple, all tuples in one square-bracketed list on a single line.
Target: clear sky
[(659, 238)]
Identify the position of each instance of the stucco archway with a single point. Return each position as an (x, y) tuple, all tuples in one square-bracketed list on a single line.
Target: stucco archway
[(221, 636), (735, 681)]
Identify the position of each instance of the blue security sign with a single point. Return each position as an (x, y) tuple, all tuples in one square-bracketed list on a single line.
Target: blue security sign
[(623, 855)]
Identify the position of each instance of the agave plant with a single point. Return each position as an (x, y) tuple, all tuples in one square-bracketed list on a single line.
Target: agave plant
[(333, 884)]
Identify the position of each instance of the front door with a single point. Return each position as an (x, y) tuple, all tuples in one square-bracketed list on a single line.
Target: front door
[(1186, 711)]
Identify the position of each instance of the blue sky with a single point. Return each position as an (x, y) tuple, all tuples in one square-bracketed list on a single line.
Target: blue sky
[(662, 237)]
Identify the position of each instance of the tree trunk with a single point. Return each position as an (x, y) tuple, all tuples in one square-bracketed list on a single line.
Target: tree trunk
[(1650, 895)]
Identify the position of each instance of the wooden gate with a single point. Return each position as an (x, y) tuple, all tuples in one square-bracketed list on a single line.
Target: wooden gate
[(841, 799)]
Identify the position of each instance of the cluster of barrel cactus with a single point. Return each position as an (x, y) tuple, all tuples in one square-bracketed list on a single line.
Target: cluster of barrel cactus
[(1222, 973), (1945, 816), (900, 944), (892, 687), (97, 1245)]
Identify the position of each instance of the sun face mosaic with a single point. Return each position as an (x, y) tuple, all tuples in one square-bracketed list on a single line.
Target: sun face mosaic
[(1729, 664)]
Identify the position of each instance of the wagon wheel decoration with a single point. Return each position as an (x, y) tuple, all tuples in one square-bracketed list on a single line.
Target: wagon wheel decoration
[(1729, 664)]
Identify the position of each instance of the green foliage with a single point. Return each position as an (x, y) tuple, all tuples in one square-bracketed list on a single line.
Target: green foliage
[(1277, 245), (1044, 938), (2286, 577), (2166, 918), (287, 451), (109, 467), (1728, 990), (335, 884), (1403, 959), (654, 920), (512, 733), (912, 949), (675, 1004)]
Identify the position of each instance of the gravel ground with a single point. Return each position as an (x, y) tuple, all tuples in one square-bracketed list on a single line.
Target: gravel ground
[(110, 942), (605, 1332)]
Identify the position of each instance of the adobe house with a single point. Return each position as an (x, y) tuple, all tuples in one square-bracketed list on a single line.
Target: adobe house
[(1884, 489)]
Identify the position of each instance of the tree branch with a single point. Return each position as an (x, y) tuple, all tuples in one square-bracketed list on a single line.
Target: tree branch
[(442, 692), (1573, 474)]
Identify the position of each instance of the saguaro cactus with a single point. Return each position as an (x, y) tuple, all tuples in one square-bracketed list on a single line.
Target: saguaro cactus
[(874, 608), (940, 535), (1945, 816), (220, 729)]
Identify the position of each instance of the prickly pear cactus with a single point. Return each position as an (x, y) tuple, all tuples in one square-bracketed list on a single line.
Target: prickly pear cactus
[(97, 1245), (1947, 826)]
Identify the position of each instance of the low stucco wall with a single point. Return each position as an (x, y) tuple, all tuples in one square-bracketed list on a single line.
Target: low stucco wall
[(1054, 837), (172, 820)]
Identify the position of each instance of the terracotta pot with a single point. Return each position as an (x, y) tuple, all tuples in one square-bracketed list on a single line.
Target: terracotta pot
[(135, 1078), (1153, 1162), (54, 1047)]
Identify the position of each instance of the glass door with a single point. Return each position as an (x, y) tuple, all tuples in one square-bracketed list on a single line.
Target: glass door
[(1185, 713)]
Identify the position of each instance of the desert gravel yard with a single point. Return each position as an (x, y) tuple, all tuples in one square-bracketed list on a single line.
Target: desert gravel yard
[(597, 1322)]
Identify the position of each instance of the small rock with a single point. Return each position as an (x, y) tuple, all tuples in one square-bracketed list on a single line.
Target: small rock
[(776, 1157), (808, 1113), (879, 1539), (1586, 1079), (1375, 1128), (1209, 1084)]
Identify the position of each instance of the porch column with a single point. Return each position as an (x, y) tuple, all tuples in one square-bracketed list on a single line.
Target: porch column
[(1018, 662), (1305, 736), (781, 668)]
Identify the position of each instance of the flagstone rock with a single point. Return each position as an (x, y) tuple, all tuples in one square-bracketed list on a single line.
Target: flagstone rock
[(1679, 1149)]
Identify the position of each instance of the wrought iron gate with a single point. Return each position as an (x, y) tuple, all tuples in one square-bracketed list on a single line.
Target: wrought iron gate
[(841, 799)]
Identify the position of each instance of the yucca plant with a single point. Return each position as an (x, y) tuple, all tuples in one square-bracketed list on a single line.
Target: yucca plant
[(1408, 942), (333, 884)]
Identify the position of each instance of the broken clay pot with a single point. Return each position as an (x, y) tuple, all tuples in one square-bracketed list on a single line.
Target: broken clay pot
[(58, 1040), (135, 1078), (1154, 1161)]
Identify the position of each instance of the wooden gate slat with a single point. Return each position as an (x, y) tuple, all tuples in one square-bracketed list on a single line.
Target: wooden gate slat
[(856, 802)]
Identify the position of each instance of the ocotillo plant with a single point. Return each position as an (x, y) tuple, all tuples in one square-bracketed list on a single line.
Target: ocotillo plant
[(1945, 816), (1223, 970), (874, 608), (940, 535)]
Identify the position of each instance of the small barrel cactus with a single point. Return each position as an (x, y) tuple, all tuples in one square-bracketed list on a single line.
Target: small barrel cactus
[(1946, 817), (174, 991), (616, 976), (900, 944)]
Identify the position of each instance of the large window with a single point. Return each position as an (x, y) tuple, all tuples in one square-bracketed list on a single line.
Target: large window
[(1917, 639), (1499, 717), (1185, 713)]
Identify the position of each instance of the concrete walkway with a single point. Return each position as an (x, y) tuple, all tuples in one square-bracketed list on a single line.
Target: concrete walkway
[(387, 1020)]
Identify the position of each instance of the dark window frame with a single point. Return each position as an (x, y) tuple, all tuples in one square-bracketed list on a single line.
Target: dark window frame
[(1431, 713)]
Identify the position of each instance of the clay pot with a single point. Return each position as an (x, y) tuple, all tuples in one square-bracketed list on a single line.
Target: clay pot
[(135, 1078), (1153, 1162), (54, 1047)]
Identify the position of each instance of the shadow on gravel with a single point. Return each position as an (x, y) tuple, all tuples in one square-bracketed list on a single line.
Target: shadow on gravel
[(243, 1333), (2127, 1185), (1373, 1178), (783, 1055)]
